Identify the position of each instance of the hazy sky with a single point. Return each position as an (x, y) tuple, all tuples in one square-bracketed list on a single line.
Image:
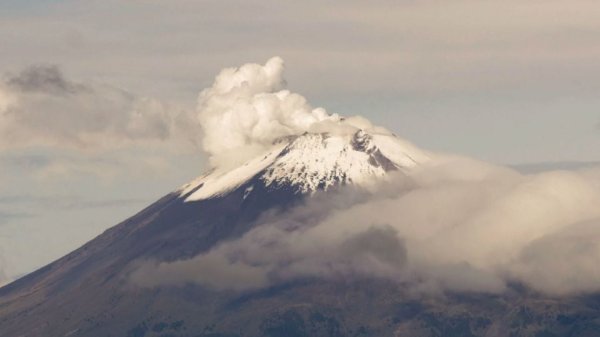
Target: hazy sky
[(507, 82)]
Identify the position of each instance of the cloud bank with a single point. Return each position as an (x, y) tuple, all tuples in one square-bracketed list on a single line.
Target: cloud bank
[(40, 106), (442, 230)]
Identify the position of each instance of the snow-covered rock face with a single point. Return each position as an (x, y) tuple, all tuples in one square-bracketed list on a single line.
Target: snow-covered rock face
[(313, 161)]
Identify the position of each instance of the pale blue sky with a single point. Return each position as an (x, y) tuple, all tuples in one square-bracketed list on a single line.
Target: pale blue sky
[(507, 82)]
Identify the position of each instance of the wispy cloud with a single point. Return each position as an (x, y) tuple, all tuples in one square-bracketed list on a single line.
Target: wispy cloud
[(64, 203), (8, 216), (41, 107)]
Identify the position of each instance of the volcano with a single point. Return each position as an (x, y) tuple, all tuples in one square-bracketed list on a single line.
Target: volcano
[(89, 292)]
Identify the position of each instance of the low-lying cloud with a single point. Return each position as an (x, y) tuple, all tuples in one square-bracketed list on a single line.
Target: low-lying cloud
[(442, 231)]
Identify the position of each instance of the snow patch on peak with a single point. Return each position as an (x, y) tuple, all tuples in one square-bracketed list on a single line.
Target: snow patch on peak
[(314, 161), (217, 182), (319, 161)]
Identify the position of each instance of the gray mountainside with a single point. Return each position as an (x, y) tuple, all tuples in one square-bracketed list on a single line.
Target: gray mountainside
[(88, 292)]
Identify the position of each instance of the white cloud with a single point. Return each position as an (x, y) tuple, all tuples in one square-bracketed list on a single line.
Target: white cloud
[(40, 107)]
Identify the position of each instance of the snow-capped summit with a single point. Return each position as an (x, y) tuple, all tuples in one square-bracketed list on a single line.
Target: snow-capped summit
[(313, 161)]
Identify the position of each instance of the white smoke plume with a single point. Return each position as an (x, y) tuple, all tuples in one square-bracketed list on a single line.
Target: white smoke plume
[(248, 108)]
